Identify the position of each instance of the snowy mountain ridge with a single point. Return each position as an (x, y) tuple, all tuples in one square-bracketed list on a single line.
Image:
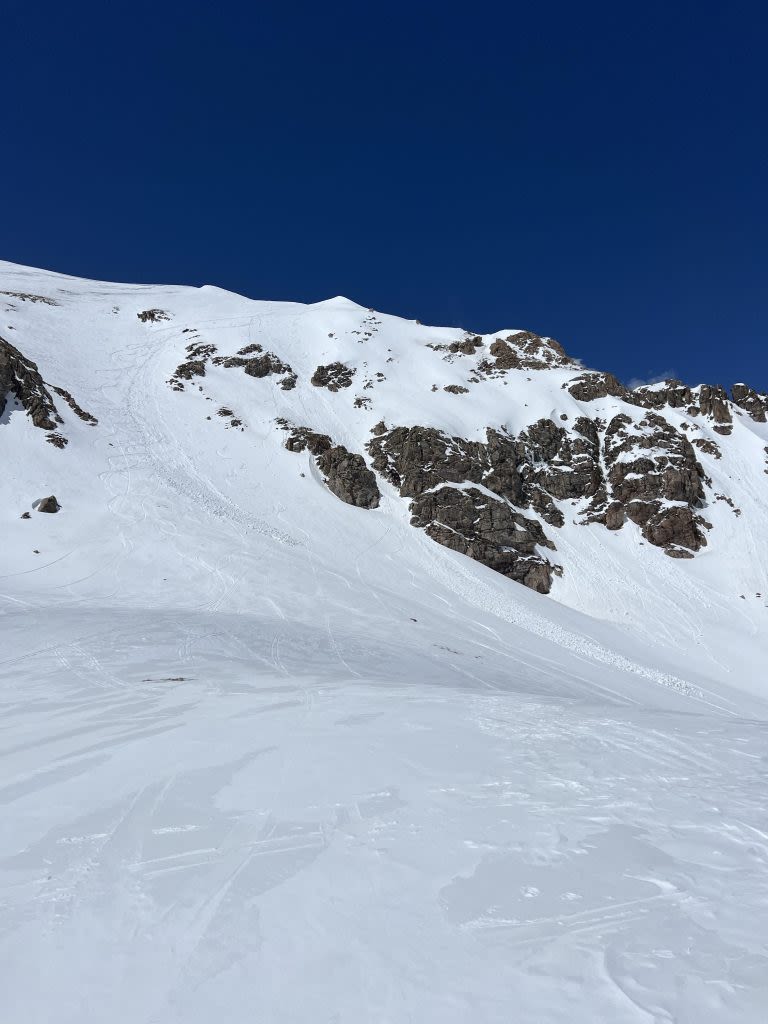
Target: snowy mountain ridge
[(501, 447), (372, 671)]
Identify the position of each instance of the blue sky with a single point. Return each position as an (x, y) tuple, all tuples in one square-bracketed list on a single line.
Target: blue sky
[(594, 171)]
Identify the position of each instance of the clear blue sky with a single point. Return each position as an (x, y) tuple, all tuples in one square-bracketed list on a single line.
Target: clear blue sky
[(592, 171)]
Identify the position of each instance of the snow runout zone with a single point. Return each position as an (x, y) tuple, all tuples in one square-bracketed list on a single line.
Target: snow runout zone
[(270, 755)]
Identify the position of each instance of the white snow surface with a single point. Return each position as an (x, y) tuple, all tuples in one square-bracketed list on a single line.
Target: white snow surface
[(269, 757)]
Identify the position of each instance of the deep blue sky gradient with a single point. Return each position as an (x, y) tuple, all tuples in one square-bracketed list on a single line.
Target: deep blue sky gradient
[(593, 171)]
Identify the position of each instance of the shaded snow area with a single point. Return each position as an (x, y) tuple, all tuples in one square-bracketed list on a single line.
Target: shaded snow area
[(267, 756)]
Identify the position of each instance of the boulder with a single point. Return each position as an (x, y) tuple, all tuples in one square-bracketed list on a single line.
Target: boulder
[(49, 504)]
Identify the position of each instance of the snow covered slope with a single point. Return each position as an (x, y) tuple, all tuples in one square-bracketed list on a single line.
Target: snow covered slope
[(269, 754)]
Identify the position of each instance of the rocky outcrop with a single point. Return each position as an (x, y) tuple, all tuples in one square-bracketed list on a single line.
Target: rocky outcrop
[(333, 376), (302, 438), (21, 378), (752, 402), (186, 371), (349, 478), (227, 414), (258, 366), (466, 347), (152, 316), (49, 504), (416, 459), (29, 297), (488, 529), (519, 350), (525, 350), (473, 496), (553, 465), (346, 473), (708, 401), (653, 475), (251, 359), (708, 446), (482, 521), (264, 366), (713, 402), (197, 355), (76, 409), (676, 529), (501, 498), (527, 471), (590, 386), (670, 393)]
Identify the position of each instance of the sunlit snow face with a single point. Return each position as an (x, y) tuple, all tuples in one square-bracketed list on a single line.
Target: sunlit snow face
[(273, 754)]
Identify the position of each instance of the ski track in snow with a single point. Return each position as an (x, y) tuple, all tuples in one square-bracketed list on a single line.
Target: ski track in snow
[(269, 757)]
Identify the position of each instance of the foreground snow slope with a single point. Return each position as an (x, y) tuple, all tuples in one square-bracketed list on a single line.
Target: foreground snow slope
[(268, 756)]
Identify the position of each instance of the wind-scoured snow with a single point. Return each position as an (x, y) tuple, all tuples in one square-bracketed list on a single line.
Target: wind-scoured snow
[(270, 757)]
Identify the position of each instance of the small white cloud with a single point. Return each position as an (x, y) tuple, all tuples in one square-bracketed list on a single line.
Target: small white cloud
[(656, 378)]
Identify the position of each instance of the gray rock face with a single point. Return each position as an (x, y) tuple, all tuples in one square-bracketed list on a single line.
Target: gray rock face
[(197, 355), (333, 376), (48, 504), (481, 522), (522, 350), (20, 377), (415, 459), (751, 401), (487, 529), (348, 477), (471, 496), (674, 394), (251, 359), (527, 351), (651, 460), (652, 478), (708, 400), (677, 530), (302, 437), (467, 347), (263, 366), (76, 409), (588, 387), (152, 316), (346, 474), (713, 402)]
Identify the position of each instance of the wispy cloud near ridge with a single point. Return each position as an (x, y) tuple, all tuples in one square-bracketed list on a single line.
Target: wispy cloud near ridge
[(656, 378)]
